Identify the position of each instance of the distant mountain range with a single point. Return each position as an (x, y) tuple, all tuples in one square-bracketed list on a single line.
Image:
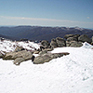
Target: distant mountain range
[(40, 33)]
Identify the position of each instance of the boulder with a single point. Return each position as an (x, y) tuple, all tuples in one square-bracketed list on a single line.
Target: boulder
[(60, 42), (71, 35), (42, 59), (19, 49), (92, 40), (84, 38), (76, 36), (47, 57), (17, 61), (76, 44), (68, 35), (73, 44), (49, 49), (53, 43), (1, 55), (45, 44), (42, 52), (72, 39), (36, 52), (26, 55)]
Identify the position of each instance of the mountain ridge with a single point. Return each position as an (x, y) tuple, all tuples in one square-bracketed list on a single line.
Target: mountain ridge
[(41, 33)]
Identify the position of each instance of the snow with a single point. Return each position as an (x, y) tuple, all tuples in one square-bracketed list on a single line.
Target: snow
[(8, 46), (69, 74)]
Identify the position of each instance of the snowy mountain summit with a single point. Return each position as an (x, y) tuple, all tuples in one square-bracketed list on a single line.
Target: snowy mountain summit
[(72, 73)]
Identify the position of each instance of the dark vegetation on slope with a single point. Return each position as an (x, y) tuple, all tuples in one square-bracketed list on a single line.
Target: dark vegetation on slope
[(40, 33)]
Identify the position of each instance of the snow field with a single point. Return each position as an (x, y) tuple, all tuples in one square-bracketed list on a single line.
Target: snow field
[(69, 74)]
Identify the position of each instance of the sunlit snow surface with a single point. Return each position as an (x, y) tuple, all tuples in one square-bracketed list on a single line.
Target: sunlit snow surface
[(8, 46), (68, 74)]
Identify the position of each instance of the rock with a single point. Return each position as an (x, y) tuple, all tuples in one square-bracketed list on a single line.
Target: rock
[(17, 61), (76, 44), (68, 35), (36, 52), (47, 57), (42, 52), (71, 35), (92, 40), (76, 36), (73, 44), (84, 38), (45, 44), (49, 49), (53, 43), (21, 54), (19, 49), (60, 42), (41, 59), (1, 55), (72, 39)]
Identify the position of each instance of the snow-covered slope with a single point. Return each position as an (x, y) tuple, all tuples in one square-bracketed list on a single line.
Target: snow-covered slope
[(7, 45), (68, 74)]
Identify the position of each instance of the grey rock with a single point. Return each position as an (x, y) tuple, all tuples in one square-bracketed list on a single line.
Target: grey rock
[(45, 44), (68, 35), (49, 49), (53, 43), (76, 44), (36, 52), (84, 38), (1, 55), (60, 42), (42, 52), (71, 35), (47, 57), (73, 44), (17, 61), (42, 59), (92, 40), (72, 39), (21, 54), (19, 49)]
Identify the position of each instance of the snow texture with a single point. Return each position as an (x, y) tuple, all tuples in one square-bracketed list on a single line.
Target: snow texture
[(69, 74), (8, 46)]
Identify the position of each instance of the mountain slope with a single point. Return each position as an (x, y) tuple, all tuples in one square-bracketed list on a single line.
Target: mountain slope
[(41, 33)]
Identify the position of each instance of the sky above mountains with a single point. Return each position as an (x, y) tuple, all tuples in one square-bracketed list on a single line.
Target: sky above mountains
[(67, 13)]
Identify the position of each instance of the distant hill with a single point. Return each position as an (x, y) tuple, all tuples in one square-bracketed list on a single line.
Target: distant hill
[(41, 33)]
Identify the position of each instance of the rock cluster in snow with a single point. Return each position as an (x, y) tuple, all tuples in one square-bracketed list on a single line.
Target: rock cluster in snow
[(22, 51)]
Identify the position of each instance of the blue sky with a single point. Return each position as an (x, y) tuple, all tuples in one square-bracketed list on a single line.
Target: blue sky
[(69, 13)]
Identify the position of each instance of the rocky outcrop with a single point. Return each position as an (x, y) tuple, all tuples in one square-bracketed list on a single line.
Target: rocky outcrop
[(17, 61), (68, 35), (76, 40), (19, 56), (92, 40), (72, 39), (1, 55), (47, 57), (45, 44), (53, 43), (73, 44), (19, 49), (84, 38), (60, 42)]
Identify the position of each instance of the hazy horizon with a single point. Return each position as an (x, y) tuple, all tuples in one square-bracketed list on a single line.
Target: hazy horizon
[(62, 13)]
